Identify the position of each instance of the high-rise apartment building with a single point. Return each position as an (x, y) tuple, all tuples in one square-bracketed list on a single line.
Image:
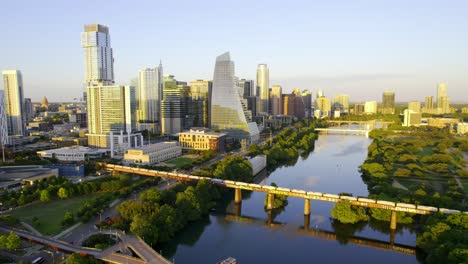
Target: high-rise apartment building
[(429, 104), (3, 120), (227, 111), (443, 101), (293, 105), (341, 102), (276, 100), (110, 109), (388, 103), (199, 106), (414, 106), (359, 109), (149, 93), (99, 62), (263, 82), (323, 103), (13, 85)]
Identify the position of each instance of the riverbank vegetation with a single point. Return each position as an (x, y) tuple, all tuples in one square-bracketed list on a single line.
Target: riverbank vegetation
[(422, 166), (279, 201)]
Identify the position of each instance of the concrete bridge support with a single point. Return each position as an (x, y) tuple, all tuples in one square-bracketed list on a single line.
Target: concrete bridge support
[(238, 209), (393, 220), (306, 222), (306, 206), (271, 199), (237, 195)]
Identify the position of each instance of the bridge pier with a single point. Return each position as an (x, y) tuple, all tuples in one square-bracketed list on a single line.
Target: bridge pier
[(306, 206), (270, 200), (393, 220), (392, 236), (237, 195), (237, 209), (306, 222)]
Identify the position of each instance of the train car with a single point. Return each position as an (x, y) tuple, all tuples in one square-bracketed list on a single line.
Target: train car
[(268, 187), (283, 189), (194, 177), (163, 173), (241, 183), (206, 178), (253, 185), (329, 195), (405, 205), (217, 181), (386, 203), (365, 200), (298, 191), (319, 194), (448, 211), (427, 208), (229, 182), (349, 198)]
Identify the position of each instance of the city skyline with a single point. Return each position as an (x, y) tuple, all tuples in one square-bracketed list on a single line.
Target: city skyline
[(408, 55)]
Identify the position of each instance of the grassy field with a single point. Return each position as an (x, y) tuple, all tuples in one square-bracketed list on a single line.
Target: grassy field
[(180, 162), (50, 214)]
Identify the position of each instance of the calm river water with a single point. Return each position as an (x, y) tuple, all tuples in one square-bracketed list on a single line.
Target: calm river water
[(332, 167)]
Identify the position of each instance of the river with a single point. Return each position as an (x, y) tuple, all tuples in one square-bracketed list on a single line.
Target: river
[(332, 167)]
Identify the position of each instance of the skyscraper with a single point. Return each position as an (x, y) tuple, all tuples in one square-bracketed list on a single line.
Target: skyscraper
[(443, 101), (148, 94), (341, 101), (174, 106), (3, 120), (263, 79), (248, 87), (99, 62), (388, 103), (293, 104), (13, 85), (227, 112), (110, 109), (276, 100), (199, 107), (307, 99), (429, 104), (28, 110)]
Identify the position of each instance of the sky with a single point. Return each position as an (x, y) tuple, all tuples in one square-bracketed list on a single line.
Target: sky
[(360, 48)]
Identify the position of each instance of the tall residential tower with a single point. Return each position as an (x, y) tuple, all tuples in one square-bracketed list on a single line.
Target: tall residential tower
[(388, 103), (263, 82), (13, 85), (149, 93), (99, 62)]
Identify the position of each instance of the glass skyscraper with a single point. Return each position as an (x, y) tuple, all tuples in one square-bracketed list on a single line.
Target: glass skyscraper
[(13, 85), (388, 103), (227, 113), (149, 93), (263, 82)]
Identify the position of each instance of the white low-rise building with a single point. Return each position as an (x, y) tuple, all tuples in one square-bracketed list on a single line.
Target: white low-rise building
[(462, 128), (73, 153), (153, 153), (258, 163)]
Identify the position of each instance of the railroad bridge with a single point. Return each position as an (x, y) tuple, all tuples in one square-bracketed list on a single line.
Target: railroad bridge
[(271, 191)]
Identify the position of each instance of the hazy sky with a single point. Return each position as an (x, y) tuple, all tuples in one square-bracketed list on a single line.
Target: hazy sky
[(360, 48)]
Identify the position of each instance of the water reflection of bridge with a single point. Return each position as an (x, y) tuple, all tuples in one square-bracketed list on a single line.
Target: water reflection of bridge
[(305, 229)]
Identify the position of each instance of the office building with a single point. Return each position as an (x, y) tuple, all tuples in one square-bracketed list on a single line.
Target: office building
[(411, 118), (202, 139), (323, 104), (263, 82), (73, 153), (199, 106), (370, 107), (110, 109), (248, 87), (174, 114), (443, 101), (148, 94), (14, 102), (227, 112), (276, 100), (414, 106), (307, 100), (293, 105), (388, 103), (359, 109), (341, 103), (28, 110), (153, 153), (99, 62)]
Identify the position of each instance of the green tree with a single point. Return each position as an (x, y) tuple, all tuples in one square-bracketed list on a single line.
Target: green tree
[(76, 258), (348, 214), (62, 193), (3, 241), (401, 172), (45, 196), (13, 241), (374, 170), (68, 219)]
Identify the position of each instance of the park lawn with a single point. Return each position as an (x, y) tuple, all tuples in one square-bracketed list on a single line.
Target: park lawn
[(180, 161), (50, 214)]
